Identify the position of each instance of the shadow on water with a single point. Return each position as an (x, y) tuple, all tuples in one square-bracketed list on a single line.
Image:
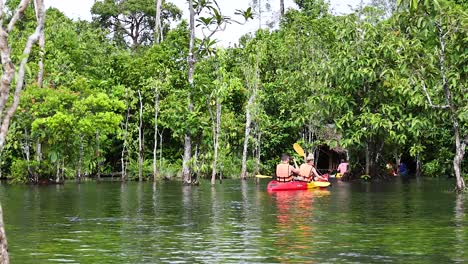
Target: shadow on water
[(415, 221)]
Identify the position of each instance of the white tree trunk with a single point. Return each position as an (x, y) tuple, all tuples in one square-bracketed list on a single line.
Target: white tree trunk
[(253, 83), (9, 68), (4, 258), (216, 132), (140, 141), (80, 159), (248, 123), (460, 144), (186, 168), (123, 159), (40, 74), (158, 34), (8, 74), (155, 149), (98, 155), (282, 8)]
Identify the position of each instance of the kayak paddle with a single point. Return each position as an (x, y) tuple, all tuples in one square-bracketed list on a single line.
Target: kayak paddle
[(299, 150), (262, 176)]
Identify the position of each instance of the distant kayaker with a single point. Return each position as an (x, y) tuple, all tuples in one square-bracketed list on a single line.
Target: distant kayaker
[(307, 171), (342, 169), (284, 171), (390, 169), (403, 170)]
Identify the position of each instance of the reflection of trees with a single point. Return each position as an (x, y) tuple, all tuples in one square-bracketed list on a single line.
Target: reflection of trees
[(295, 227), (459, 227)]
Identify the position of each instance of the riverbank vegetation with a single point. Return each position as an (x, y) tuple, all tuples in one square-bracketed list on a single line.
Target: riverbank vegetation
[(123, 96)]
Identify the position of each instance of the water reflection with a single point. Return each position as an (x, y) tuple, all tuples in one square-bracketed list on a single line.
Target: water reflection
[(296, 225), (460, 227), (235, 222)]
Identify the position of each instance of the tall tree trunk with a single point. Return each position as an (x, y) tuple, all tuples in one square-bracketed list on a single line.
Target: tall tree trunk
[(160, 148), (248, 123), (4, 258), (38, 150), (80, 159), (282, 8), (8, 66), (158, 34), (57, 172), (216, 132), (418, 165), (40, 74), (7, 76), (155, 149), (186, 168), (26, 149), (123, 160), (254, 80), (367, 159), (98, 155), (460, 144), (258, 150), (140, 140)]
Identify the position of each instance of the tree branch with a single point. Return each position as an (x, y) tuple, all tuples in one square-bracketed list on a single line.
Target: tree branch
[(18, 13), (5, 121), (428, 97), (1, 11)]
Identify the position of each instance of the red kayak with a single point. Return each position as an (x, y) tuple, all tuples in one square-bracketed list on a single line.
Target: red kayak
[(295, 185)]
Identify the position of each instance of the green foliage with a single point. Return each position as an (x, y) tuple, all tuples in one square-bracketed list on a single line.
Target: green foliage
[(132, 22), (19, 171), (357, 81), (365, 177)]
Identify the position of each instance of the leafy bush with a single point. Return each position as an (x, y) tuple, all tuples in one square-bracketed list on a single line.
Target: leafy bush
[(19, 171), (436, 168)]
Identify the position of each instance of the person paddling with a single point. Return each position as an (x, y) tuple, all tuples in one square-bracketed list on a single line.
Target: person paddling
[(307, 171), (342, 169), (284, 171)]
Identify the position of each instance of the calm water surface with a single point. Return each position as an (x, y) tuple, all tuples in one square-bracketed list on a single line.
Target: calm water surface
[(421, 221)]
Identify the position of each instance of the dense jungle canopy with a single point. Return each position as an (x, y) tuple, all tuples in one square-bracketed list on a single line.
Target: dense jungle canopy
[(384, 83)]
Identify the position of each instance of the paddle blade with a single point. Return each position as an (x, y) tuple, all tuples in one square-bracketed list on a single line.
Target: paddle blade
[(262, 176), (299, 150), (316, 184)]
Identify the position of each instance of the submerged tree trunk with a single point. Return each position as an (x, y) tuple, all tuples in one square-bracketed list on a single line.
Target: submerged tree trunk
[(460, 144), (27, 152), (253, 79), (123, 160), (186, 168), (38, 150), (460, 147), (258, 150), (98, 155), (4, 258), (216, 132), (418, 165), (155, 148), (80, 159), (248, 123), (367, 159), (140, 140), (160, 148)]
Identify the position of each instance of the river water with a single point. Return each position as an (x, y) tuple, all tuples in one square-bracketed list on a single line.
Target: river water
[(420, 221)]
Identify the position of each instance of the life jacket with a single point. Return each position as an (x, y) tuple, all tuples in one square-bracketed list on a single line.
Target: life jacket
[(306, 172), (283, 173)]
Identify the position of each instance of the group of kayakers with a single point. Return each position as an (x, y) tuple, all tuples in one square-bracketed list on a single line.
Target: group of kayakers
[(306, 172)]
